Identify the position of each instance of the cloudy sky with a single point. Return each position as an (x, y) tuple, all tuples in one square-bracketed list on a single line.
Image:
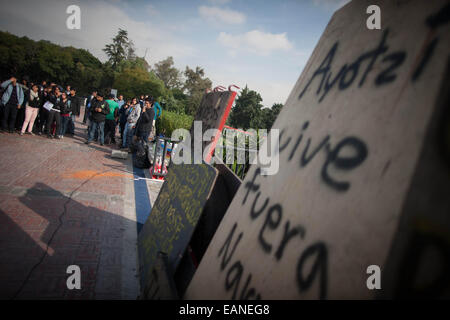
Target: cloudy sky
[(264, 44)]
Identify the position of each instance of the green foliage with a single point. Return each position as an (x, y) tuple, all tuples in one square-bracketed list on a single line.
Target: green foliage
[(169, 121), (170, 103), (132, 82), (135, 63), (42, 60), (269, 115), (120, 49), (170, 75), (195, 86), (248, 112)]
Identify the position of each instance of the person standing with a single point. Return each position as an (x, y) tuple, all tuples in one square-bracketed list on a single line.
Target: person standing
[(20, 118), (99, 110), (88, 105), (32, 109), (157, 112), (12, 100), (43, 113), (133, 116), (123, 115), (54, 114), (111, 120), (145, 122), (75, 105), (65, 110), (120, 102)]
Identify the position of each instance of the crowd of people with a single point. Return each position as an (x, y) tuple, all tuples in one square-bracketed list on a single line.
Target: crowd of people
[(48, 109)]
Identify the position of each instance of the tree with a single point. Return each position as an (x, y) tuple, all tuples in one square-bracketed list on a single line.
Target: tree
[(195, 86), (120, 49), (170, 75), (269, 115), (132, 82), (247, 111)]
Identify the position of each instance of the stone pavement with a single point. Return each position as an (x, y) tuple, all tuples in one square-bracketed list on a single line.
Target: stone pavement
[(65, 203)]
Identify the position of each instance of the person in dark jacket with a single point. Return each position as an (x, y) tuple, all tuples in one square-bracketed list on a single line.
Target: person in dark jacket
[(88, 106), (99, 110), (43, 113), (54, 113), (12, 100), (75, 104), (20, 118), (145, 122), (123, 115), (65, 110)]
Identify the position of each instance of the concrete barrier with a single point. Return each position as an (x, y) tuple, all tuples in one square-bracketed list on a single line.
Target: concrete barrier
[(360, 206)]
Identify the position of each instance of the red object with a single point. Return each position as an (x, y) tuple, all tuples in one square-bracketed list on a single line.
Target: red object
[(231, 86), (221, 125), (219, 88), (158, 170)]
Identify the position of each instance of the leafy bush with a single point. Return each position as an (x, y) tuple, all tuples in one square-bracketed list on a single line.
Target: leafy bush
[(169, 121), (170, 103)]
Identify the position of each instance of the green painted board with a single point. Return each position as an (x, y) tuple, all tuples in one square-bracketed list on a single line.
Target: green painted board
[(174, 217)]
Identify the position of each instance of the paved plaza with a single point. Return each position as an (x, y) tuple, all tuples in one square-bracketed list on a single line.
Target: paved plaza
[(65, 203)]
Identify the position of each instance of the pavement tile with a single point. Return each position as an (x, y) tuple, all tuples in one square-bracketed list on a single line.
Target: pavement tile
[(34, 200)]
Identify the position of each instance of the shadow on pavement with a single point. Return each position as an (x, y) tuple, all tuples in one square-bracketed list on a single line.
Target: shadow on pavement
[(77, 234)]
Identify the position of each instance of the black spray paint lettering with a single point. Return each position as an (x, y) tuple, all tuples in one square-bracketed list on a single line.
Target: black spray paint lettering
[(348, 73), (274, 219), (360, 153), (318, 269), (227, 256), (234, 274), (434, 21), (233, 280), (344, 163)]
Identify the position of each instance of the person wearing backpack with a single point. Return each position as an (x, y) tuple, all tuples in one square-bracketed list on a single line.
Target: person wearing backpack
[(32, 109), (12, 100)]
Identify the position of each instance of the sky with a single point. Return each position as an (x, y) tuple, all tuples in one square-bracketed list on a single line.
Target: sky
[(262, 44)]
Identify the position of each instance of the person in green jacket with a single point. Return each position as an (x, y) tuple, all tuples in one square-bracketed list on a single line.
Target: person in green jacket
[(111, 120)]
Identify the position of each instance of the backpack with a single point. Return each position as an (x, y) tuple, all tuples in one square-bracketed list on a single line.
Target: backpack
[(140, 159)]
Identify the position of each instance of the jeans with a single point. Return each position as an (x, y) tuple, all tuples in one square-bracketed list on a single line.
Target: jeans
[(72, 124), (53, 115), (144, 136), (100, 127), (43, 116), (86, 114), (9, 116), (64, 124), (122, 129), (127, 134), (110, 130)]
